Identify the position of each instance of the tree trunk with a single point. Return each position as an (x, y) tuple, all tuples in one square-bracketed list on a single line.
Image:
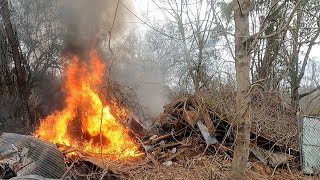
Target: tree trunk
[(186, 51), (294, 64), (266, 67), (294, 96), (242, 58), (17, 57)]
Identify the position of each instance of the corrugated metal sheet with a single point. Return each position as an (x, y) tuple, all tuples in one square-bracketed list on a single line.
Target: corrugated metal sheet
[(310, 144), (48, 160)]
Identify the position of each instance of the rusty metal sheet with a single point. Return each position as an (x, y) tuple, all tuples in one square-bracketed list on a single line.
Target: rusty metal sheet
[(31, 177), (45, 158)]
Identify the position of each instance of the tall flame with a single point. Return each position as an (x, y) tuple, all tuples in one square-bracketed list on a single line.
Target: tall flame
[(84, 117)]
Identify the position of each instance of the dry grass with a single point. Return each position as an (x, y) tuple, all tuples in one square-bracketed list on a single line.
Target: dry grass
[(199, 167)]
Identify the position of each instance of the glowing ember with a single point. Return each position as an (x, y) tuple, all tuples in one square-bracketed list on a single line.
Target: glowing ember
[(84, 117)]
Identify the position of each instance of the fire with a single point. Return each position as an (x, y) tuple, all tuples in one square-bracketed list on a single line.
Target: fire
[(84, 116)]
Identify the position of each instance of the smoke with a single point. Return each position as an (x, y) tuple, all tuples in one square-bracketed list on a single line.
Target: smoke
[(88, 20), (151, 92), (147, 81)]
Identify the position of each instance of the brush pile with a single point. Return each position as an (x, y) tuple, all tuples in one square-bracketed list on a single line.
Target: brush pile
[(196, 138)]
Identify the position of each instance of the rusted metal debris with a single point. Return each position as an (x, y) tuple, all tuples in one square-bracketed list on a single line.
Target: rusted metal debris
[(31, 177), (26, 155)]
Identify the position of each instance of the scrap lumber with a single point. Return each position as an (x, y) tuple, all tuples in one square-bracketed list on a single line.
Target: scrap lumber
[(162, 137), (205, 115), (175, 155), (191, 117), (193, 111), (172, 149), (171, 106), (96, 161), (268, 157), (135, 124), (191, 114)]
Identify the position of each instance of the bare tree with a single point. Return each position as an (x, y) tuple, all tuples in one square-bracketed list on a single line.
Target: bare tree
[(242, 58), (17, 58), (304, 35), (195, 33), (285, 34)]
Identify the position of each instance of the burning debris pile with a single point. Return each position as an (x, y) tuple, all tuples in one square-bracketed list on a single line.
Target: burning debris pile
[(83, 130), (187, 130), (84, 122), (98, 138), (89, 128)]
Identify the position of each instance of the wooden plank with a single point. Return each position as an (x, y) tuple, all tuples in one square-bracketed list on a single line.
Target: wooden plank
[(171, 106), (135, 124), (277, 158), (191, 117), (163, 137), (269, 157), (205, 115), (261, 155)]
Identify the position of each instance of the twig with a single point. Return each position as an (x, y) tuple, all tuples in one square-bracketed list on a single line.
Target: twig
[(68, 170), (166, 136), (101, 138), (175, 155), (274, 170), (114, 19), (290, 170)]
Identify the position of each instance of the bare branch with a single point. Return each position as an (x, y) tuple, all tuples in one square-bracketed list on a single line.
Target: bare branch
[(306, 57), (257, 36), (309, 92)]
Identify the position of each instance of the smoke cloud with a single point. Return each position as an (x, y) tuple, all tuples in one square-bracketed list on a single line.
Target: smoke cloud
[(147, 81), (87, 20)]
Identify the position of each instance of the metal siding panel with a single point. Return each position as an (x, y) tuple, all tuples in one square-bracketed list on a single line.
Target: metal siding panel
[(48, 158)]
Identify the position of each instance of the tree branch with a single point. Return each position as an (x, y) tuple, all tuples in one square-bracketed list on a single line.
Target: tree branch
[(306, 57), (257, 36), (309, 92)]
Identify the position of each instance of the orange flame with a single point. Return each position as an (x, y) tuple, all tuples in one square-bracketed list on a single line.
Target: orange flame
[(84, 117)]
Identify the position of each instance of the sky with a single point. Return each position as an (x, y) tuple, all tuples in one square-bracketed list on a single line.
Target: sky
[(148, 8)]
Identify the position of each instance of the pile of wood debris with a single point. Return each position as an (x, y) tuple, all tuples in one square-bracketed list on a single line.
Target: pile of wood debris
[(270, 115), (190, 118), (190, 137)]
